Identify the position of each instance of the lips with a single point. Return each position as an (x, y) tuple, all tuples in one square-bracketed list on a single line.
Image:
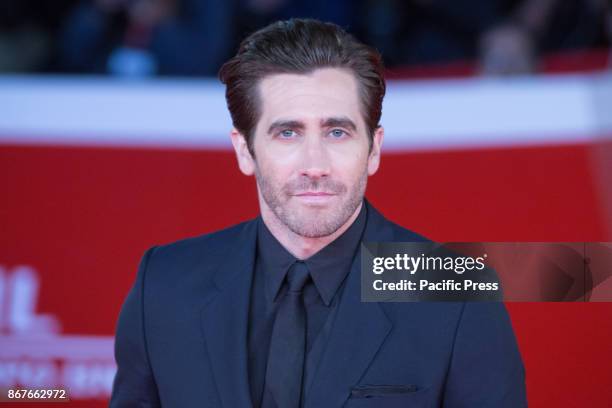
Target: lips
[(314, 194), (315, 198)]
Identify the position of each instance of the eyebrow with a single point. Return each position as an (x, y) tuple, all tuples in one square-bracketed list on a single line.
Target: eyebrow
[(339, 122), (284, 124), (327, 123)]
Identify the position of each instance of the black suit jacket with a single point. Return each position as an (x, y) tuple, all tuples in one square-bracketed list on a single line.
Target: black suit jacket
[(182, 337)]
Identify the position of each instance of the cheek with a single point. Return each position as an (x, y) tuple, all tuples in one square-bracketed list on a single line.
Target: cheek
[(350, 168), (353, 155), (276, 170)]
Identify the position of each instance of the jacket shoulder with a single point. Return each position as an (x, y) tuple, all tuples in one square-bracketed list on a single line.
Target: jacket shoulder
[(381, 226), (192, 260), (209, 243), (405, 235)]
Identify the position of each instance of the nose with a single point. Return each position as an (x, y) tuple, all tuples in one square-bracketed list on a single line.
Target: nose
[(315, 161)]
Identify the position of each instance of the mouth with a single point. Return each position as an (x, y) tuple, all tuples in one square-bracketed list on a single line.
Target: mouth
[(314, 194), (316, 198)]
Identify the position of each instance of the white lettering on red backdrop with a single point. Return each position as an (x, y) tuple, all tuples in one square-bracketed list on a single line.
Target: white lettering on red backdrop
[(35, 354)]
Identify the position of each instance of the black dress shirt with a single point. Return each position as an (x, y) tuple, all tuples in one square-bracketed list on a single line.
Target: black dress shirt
[(328, 269)]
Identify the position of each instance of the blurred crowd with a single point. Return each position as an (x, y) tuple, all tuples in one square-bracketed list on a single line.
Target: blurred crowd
[(194, 37)]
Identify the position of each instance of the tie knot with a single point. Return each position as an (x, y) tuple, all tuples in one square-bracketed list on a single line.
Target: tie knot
[(297, 276)]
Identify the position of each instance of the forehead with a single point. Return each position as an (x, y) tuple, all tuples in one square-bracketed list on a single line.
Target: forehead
[(326, 92)]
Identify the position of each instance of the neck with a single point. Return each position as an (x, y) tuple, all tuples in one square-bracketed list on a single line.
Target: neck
[(299, 246)]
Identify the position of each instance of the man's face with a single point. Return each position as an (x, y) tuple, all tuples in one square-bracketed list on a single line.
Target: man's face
[(311, 148)]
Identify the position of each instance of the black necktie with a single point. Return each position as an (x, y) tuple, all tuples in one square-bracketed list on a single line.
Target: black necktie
[(288, 343)]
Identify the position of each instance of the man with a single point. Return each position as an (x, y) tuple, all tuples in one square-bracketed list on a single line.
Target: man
[(268, 313)]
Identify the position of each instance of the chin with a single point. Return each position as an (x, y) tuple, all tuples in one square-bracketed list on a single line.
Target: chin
[(316, 225), (316, 206)]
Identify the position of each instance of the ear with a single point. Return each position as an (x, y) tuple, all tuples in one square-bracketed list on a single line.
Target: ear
[(374, 157), (246, 163)]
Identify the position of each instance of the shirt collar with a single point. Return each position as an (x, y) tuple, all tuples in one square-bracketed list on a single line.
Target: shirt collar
[(328, 267)]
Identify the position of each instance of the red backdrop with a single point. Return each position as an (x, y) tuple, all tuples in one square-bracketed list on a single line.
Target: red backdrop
[(82, 217)]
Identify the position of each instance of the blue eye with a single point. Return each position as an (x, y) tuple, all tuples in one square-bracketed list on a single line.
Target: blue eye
[(337, 133), (287, 133)]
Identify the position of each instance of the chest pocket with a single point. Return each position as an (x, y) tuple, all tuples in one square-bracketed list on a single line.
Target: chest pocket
[(387, 396)]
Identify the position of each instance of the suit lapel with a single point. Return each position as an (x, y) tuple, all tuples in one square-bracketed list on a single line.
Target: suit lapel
[(358, 332), (225, 319)]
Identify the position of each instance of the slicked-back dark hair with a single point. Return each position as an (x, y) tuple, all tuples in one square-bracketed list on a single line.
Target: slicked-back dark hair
[(299, 46)]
